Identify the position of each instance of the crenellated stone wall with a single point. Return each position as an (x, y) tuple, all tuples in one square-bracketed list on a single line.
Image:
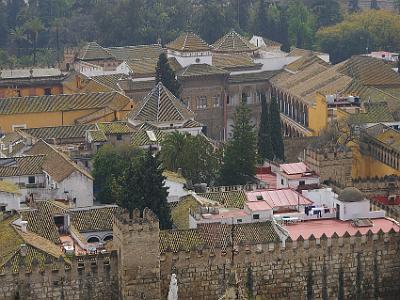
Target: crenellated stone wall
[(357, 267), (91, 277)]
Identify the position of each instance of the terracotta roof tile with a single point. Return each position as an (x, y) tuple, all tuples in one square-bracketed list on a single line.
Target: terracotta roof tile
[(93, 51), (22, 166), (233, 61), (197, 70), (375, 112), (136, 52), (188, 42), (145, 137), (94, 218), (115, 127), (233, 42), (230, 199), (109, 80), (59, 132)]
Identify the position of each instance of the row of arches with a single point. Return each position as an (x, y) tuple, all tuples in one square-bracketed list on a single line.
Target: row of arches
[(290, 131), (97, 239), (291, 107), (388, 157)]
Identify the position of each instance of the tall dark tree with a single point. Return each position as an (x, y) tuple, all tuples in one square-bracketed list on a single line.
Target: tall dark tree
[(239, 161), (210, 21), (243, 13), (276, 130), (3, 25), (353, 6), (261, 19), (166, 75), (265, 150), (301, 24), (327, 12), (284, 31)]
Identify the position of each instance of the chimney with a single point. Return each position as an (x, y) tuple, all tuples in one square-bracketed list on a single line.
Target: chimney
[(179, 171), (23, 250), (24, 225)]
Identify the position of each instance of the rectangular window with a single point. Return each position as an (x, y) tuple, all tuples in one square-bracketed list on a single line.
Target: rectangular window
[(239, 220), (282, 182), (216, 100), (256, 217), (302, 182), (31, 179), (201, 102), (119, 137)]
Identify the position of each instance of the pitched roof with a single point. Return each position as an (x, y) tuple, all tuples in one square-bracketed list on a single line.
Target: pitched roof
[(9, 240), (233, 61), (370, 71), (229, 199), (216, 236), (93, 51), (118, 127), (390, 137), (197, 70), (21, 166), (278, 198), (96, 135), (188, 42), (56, 164), (375, 112), (233, 42), (67, 102), (59, 132), (146, 137), (9, 187), (30, 73), (160, 105), (93, 218), (294, 168), (109, 80), (136, 52), (305, 61)]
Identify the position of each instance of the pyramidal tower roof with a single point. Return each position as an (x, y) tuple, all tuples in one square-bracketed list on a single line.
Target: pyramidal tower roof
[(233, 42), (188, 42), (160, 105), (93, 51)]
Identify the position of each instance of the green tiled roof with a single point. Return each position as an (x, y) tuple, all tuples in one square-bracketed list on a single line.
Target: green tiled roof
[(233, 42), (97, 136), (196, 70), (141, 137), (376, 112), (252, 77), (59, 132), (188, 42), (160, 105), (119, 127), (93, 51), (9, 240), (21, 166), (180, 213), (216, 236), (110, 81), (230, 199), (93, 219), (234, 61), (136, 52), (33, 104)]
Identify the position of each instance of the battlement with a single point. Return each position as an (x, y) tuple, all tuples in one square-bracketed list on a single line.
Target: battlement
[(126, 222)]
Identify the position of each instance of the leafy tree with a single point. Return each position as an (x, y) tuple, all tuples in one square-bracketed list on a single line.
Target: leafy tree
[(3, 25), (194, 155), (210, 21), (301, 24), (353, 6), (276, 130), (370, 30), (33, 28), (327, 12), (243, 14), (18, 38), (166, 75), (284, 31), (265, 150), (239, 161)]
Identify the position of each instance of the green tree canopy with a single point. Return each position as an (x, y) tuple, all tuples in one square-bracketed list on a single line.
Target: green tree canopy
[(301, 24), (327, 12), (276, 130), (239, 161), (166, 75), (265, 150)]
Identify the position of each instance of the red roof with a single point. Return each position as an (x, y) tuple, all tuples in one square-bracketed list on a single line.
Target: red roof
[(294, 168), (269, 179), (278, 198), (385, 201), (258, 205), (330, 226)]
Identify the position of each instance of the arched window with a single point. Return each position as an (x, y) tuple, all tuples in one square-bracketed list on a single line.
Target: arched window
[(93, 239), (108, 238)]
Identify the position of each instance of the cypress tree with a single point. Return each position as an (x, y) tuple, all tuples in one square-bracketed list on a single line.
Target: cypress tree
[(284, 28), (166, 75), (276, 130), (261, 21), (265, 150), (239, 162)]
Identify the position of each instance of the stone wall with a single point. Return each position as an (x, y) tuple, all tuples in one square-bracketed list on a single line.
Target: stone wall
[(358, 267), (378, 186), (94, 277)]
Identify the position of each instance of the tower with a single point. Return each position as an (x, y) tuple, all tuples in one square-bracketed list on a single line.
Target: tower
[(137, 242)]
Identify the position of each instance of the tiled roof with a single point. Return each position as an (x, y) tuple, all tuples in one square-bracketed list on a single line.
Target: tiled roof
[(278, 198), (109, 80), (252, 77), (180, 213), (233, 42), (375, 112), (117, 127), (188, 42), (303, 52), (32, 104), (233, 61), (217, 236), (197, 70), (136, 52), (390, 137), (41, 220), (9, 240), (93, 219), (56, 164), (305, 61), (230, 199), (96, 136), (160, 105), (142, 137), (93, 51), (59, 132), (192, 124), (8, 187), (142, 67), (294, 168), (21, 166), (370, 71)]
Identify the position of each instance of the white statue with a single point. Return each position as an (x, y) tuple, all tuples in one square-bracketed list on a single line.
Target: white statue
[(173, 288)]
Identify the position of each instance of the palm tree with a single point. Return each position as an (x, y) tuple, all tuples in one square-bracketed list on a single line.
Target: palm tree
[(55, 27), (17, 36), (33, 27), (172, 149)]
